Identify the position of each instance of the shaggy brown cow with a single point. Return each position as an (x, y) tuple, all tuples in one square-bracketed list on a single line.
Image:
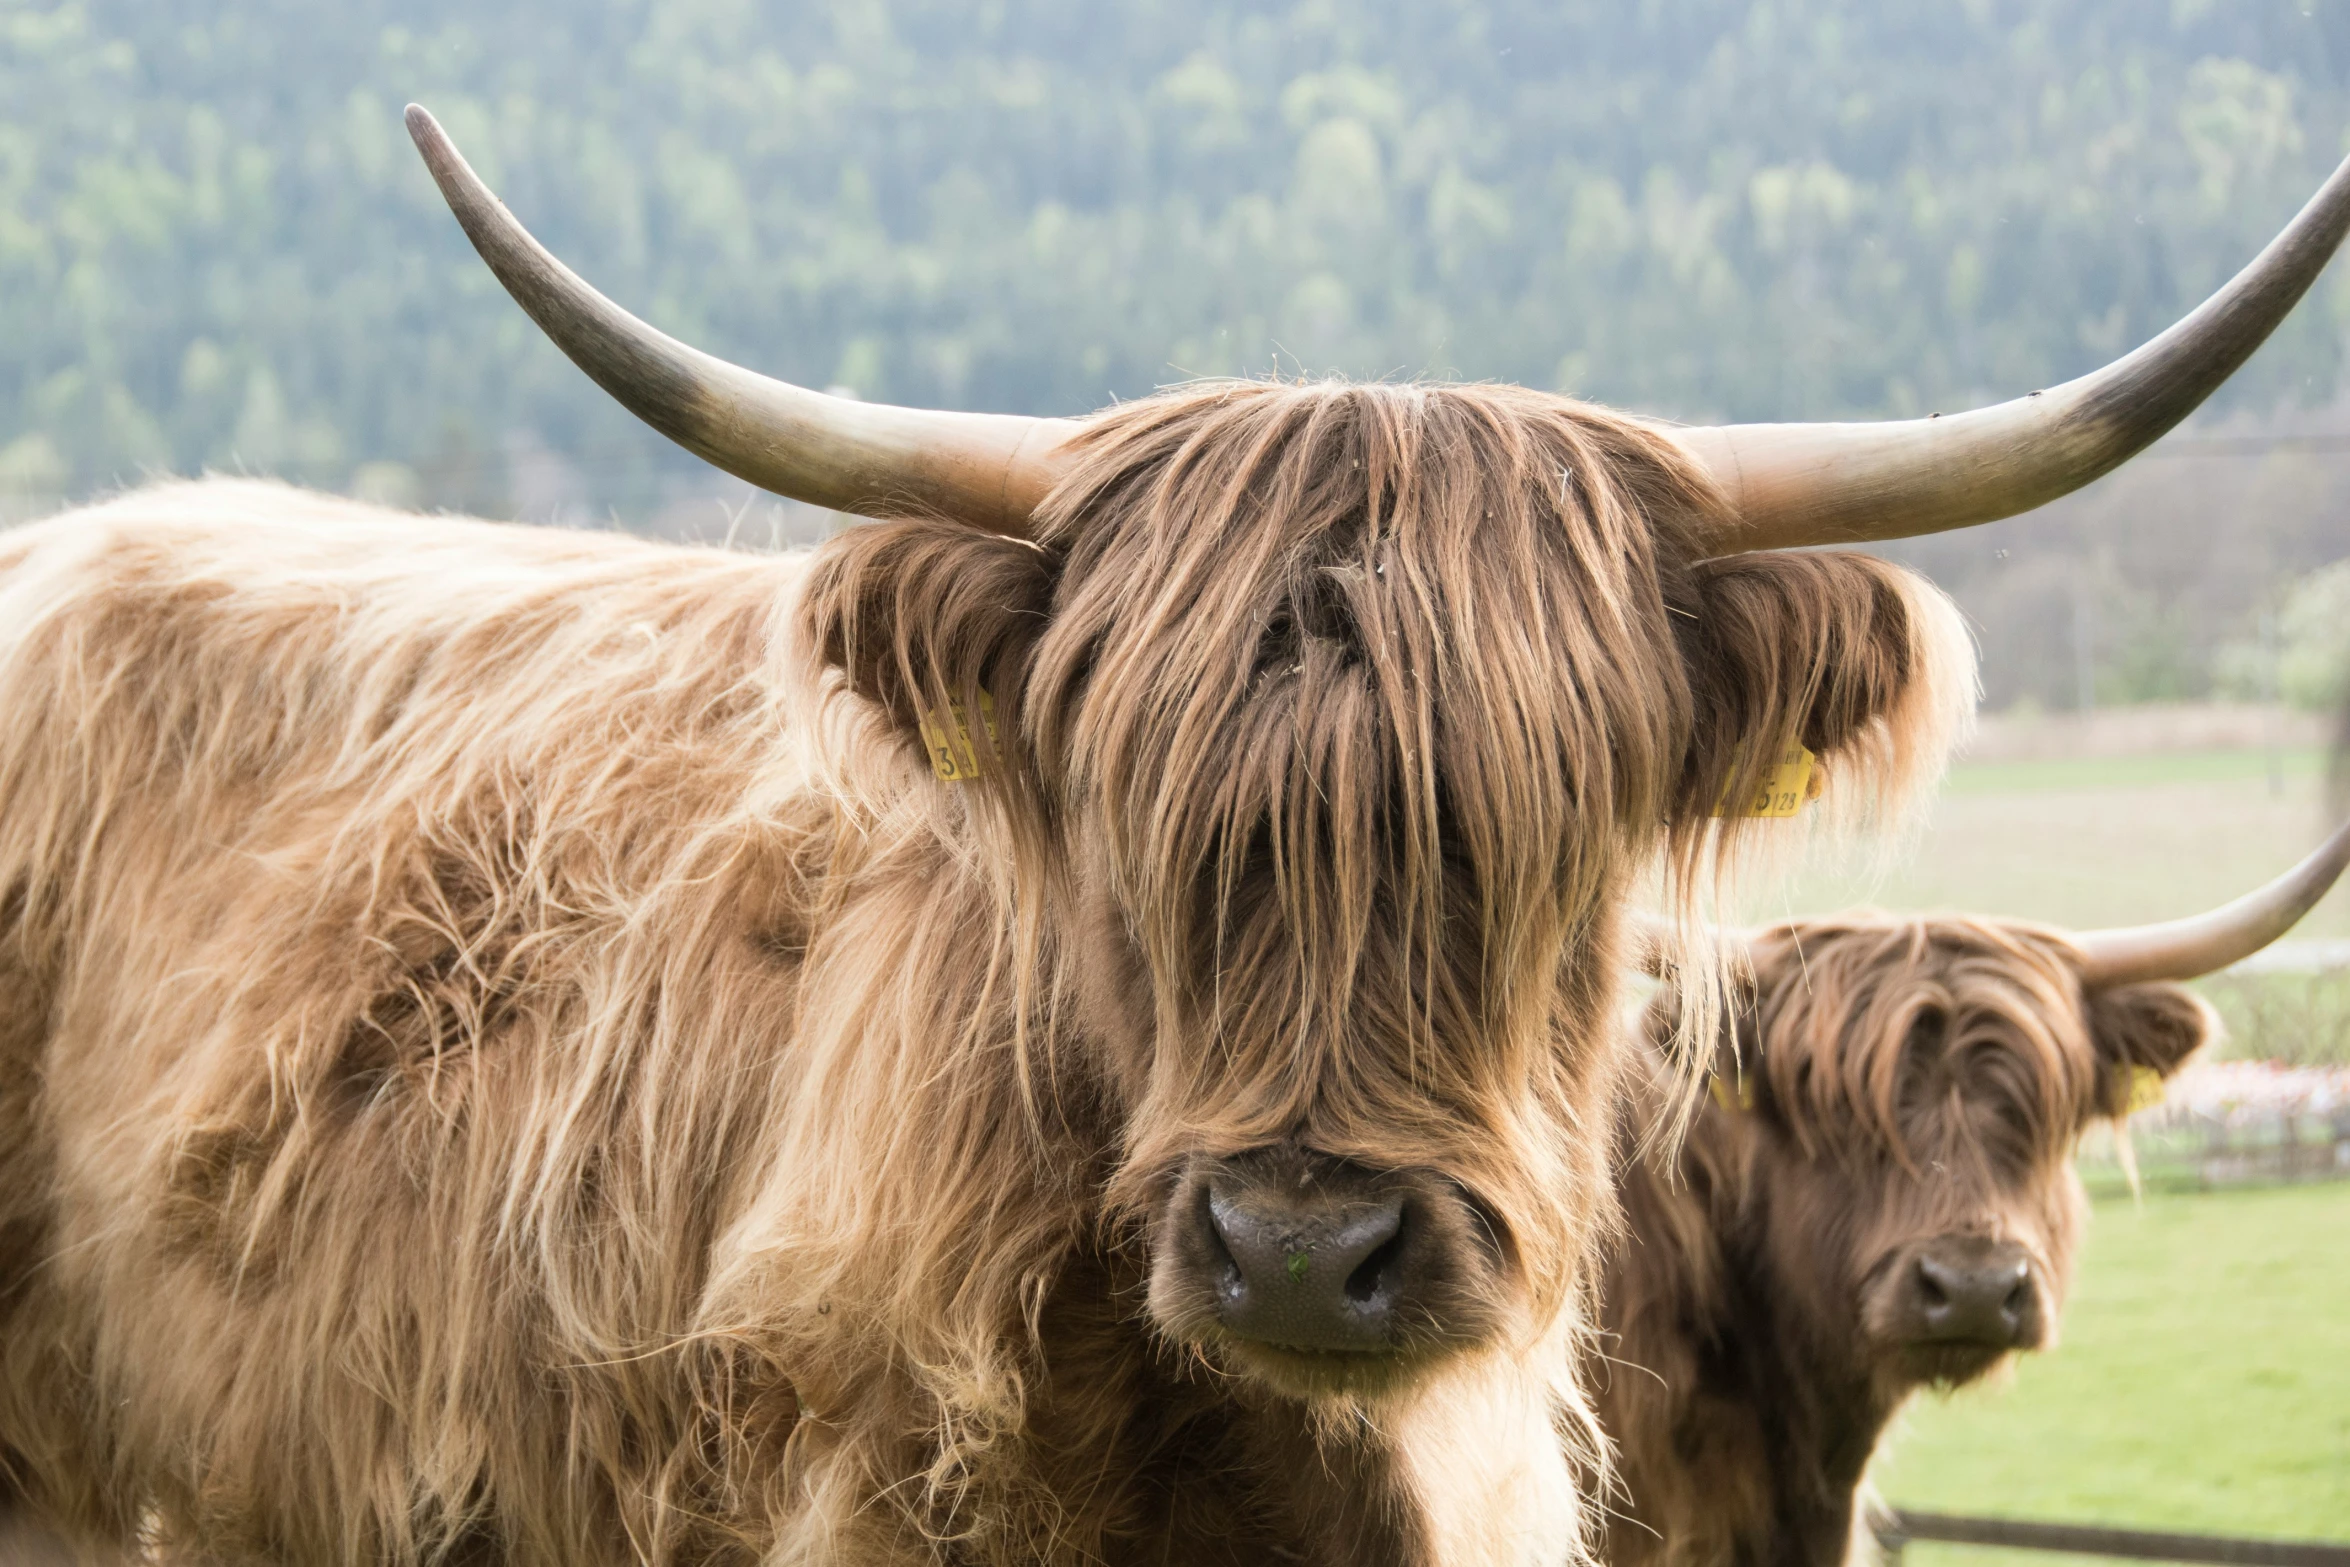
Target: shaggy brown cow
[(508, 1053), (1878, 1195)]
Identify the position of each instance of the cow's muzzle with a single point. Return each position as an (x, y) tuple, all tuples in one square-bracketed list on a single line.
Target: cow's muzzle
[(1326, 1272), (1302, 1254), (1968, 1291)]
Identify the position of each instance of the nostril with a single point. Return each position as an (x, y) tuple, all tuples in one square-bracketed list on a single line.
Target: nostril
[(2018, 1299), (1371, 1277), (1931, 1289), (1229, 1281)]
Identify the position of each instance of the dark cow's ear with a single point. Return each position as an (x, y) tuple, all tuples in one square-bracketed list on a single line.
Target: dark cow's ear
[(931, 618), (1860, 661), (1727, 1056), (2154, 1027)]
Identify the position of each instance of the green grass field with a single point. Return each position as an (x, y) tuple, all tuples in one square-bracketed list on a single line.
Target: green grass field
[(2204, 1381), (2104, 841)]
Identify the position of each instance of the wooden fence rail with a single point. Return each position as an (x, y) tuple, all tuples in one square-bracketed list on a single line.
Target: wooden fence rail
[(2088, 1540)]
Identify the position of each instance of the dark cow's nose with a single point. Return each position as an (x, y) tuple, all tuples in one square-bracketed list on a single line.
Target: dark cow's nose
[(1972, 1291), (1309, 1269)]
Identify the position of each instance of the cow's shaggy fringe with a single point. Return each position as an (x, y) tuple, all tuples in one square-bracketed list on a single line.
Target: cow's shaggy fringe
[(1843, 1041), (505, 1054)]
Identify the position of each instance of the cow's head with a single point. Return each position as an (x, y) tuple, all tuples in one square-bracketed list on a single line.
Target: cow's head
[(1901, 1101), (1334, 720), (1342, 714)]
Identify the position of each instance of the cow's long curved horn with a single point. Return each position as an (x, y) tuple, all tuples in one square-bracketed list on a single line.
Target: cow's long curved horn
[(989, 469), (2206, 943), (1791, 484)]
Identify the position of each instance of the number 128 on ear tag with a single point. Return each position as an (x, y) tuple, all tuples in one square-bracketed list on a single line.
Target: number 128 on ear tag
[(1783, 788)]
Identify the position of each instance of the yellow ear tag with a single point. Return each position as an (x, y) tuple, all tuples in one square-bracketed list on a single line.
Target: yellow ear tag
[(1783, 788), (2145, 1090), (1731, 1096), (954, 756)]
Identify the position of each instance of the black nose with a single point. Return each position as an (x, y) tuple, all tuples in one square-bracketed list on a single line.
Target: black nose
[(1316, 1265), (1971, 1291)]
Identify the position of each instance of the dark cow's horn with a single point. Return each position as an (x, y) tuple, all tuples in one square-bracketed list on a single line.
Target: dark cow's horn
[(988, 469), (2206, 943), (1791, 484)]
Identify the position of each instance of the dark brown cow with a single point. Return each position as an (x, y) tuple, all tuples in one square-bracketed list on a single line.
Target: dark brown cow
[(1069, 1025), (1878, 1195)]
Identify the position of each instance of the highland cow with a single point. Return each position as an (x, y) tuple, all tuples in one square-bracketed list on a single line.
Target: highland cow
[(1877, 1196), (1072, 1024)]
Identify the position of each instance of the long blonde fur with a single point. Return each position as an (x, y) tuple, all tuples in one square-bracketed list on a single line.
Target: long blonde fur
[(511, 1056)]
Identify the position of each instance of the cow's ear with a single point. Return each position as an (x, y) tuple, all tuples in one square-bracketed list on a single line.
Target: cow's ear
[(929, 618), (1717, 1047), (2152, 1028), (1858, 660)]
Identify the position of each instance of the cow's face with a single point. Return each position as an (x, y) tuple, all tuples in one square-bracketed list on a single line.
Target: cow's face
[(1336, 719), (1913, 1093)]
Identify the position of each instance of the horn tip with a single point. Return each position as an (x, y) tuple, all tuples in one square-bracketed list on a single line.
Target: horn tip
[(430, 139), (441, 158)]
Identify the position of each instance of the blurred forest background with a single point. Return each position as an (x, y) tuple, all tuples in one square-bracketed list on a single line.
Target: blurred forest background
[(218, 250)]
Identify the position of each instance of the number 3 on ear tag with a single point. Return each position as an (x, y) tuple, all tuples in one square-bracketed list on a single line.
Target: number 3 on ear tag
[(954, 756)]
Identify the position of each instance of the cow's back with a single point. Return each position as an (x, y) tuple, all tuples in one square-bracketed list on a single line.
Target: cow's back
[(330, 838)]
